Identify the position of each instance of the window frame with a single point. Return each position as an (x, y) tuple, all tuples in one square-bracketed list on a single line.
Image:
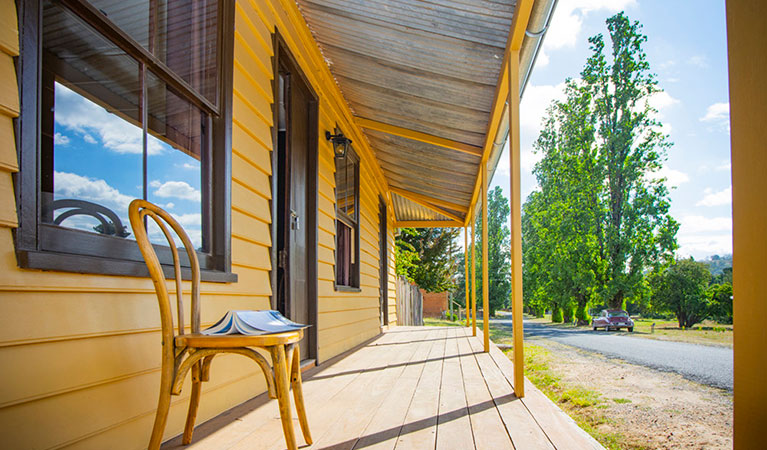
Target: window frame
[(354, 224), (45, 246)]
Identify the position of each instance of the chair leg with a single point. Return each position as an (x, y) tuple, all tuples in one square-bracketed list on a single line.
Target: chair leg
[(163, 405), (283, 394), (298, 393), (194, 403)]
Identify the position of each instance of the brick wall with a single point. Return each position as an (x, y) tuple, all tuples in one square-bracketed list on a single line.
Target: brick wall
[(434, 303)]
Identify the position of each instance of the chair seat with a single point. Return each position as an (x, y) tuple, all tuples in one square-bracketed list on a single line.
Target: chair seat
[(199, 340)]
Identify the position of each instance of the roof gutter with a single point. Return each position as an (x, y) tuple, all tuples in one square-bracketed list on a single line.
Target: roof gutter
[(537, 26)]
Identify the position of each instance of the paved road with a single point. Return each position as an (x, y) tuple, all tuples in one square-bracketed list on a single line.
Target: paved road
[(704, 364)]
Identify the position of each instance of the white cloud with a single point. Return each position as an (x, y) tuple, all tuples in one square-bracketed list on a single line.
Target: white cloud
[(535, 102), (662, 101), (699, 224), (71, 185), (170, 205), (567, 22), (60, 139), (78, 114), (698, 60), (175, 189), (711, 198), (701, 236), (718, 114), (701, 246), (190, 166), (726, 166), (673, 177), (89, 139)]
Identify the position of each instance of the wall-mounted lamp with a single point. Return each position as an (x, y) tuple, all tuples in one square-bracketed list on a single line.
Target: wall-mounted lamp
[(340, 143)]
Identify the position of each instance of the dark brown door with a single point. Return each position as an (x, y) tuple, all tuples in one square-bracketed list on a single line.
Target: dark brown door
[(383, 265), (295, 217)]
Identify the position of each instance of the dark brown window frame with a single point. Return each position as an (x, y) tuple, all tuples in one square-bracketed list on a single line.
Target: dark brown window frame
[(49, 247), (354, 224)]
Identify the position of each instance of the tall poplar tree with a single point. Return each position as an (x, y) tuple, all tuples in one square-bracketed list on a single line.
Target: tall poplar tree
[(601, 218)]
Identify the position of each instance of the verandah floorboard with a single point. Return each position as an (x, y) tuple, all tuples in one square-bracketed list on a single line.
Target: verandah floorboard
[(420, 428), (522, 427), (384, 428), (354, 408), (453, 424), (487, 426)]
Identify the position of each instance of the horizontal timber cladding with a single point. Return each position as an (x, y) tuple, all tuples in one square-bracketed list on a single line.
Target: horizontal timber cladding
[(82, 352)]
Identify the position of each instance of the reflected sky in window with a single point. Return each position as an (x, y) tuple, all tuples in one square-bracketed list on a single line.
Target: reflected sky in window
[(98, 158)]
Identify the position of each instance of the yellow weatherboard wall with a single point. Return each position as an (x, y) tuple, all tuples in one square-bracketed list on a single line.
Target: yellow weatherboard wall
[(748, 111), (81, 353)]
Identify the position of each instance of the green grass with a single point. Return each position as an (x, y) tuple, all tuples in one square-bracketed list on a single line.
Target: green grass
[(585, 406), (621, 400), (430, 322)]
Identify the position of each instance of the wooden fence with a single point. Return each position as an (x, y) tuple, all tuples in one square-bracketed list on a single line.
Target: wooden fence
[(409, 303)]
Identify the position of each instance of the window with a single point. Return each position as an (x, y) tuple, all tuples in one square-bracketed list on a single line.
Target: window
[(134, 102), (347, 220)]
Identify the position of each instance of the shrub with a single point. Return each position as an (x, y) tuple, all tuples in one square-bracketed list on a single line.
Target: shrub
[(556, 314), (582, 314), (567, 313)]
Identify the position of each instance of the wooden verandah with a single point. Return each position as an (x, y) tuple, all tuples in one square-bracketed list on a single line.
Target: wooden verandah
[(409, 388)]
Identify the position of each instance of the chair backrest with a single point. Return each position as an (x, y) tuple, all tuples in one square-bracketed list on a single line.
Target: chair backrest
[(138, 211)]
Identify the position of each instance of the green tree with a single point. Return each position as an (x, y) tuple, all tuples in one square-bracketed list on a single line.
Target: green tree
[(433, 268), (638, 231), (681, 288), (405, 256), (498, 249), (720, 302), (498, 255), (600, 219)]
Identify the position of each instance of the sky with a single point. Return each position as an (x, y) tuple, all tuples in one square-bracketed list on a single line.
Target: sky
[(687, 49), (98, 158)]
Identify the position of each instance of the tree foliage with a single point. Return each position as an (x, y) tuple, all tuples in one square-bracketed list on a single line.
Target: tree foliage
[(498, 255), (682, 289), (601, 218), (425, 257)]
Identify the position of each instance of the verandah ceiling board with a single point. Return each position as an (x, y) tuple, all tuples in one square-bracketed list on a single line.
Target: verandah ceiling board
[(428, 66)]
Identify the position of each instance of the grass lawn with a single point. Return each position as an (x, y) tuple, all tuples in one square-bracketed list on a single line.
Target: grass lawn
[(430, 322), (706, 333)]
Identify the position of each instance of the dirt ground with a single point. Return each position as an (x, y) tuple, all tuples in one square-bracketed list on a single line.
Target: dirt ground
[(651, 409)]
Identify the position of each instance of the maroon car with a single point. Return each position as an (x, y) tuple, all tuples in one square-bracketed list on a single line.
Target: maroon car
[(612, 319)]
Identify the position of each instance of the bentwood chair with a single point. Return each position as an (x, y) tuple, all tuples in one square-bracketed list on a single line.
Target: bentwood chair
[(182, 352)]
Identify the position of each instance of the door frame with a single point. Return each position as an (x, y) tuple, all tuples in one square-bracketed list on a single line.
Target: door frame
[(282, 55), (383, 257)]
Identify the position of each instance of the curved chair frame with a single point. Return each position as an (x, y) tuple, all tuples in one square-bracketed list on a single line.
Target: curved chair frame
[(184, 352)]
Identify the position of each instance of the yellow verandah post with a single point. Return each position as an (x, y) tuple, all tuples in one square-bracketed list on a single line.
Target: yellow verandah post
[(473, 282), (466, 273), (485, 284), (516, 227)]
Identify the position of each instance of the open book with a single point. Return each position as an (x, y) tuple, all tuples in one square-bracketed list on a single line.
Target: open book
[(253, 323)]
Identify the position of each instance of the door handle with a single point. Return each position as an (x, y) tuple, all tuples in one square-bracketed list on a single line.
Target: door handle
[(294, 223)]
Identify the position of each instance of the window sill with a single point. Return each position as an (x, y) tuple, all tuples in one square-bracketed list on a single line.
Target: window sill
[(65, 262), (341, 288)]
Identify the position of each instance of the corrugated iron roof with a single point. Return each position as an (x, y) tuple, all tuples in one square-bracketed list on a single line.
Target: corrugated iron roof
[(405, 210), (428, 66)]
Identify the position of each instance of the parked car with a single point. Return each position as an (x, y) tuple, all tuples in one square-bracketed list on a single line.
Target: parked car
[(612, 319)]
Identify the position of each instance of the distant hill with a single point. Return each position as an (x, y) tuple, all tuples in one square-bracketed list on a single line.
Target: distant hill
[(718, 263)]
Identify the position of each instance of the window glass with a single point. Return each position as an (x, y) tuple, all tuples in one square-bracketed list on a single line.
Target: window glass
[(174, 148), (347, 225), (180, 33), (91, 139)]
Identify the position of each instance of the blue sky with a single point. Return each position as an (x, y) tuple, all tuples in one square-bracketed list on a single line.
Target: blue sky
[(687, 49), (98, 158)]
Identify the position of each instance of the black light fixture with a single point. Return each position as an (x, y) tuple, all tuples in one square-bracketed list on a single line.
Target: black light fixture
[(340, 142)]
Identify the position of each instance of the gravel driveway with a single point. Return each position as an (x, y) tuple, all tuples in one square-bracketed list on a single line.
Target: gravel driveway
[(704, 364)]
